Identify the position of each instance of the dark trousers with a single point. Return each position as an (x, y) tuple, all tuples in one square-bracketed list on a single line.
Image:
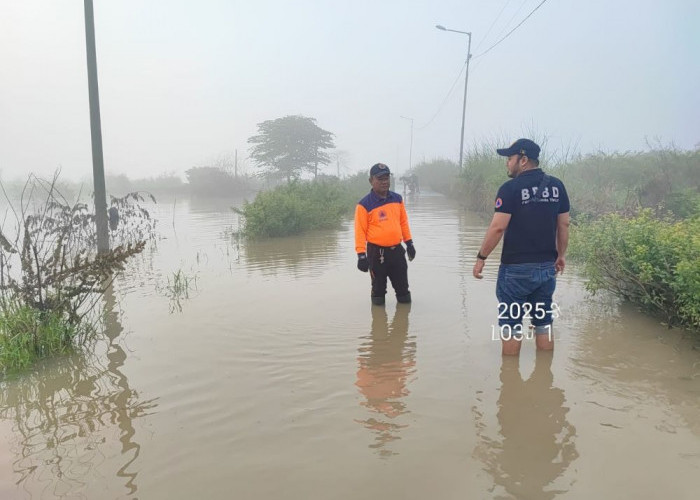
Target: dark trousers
[(393, 266)]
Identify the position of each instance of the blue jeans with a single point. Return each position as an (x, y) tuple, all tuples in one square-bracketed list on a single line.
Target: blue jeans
[(525, 290)]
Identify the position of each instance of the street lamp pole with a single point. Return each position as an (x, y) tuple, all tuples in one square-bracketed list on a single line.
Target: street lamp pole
[(98, 168), (410, 151), (466, 82)]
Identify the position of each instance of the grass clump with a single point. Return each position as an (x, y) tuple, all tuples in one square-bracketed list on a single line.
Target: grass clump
[(178, 288), (27, 334), (298, 207)]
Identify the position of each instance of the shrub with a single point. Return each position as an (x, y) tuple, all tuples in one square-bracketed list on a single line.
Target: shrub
[(297, 207), (51, 274), (651, 262)]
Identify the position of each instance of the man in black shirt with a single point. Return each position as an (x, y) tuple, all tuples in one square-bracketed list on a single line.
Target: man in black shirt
[(532, 210)]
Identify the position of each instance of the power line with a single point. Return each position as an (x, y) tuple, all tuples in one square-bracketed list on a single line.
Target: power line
[(481, 42), (511, 31), (512, 18), (449, 93)]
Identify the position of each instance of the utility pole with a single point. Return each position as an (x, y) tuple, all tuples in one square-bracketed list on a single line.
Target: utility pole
[(98, 169), (464, 105), (235, 165), (466, 81)]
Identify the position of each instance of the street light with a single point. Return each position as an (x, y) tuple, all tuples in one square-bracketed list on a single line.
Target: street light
[(410, 151), (98, 168), (466, 81)]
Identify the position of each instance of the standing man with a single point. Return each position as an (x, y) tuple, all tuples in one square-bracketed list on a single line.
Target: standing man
[(381, 224), (532, 210)]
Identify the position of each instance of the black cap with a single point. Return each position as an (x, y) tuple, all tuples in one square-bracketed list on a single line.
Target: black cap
[(521, 147), (379, 169)]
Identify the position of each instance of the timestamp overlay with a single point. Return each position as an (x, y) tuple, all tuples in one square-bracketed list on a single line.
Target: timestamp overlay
[(514, 314)]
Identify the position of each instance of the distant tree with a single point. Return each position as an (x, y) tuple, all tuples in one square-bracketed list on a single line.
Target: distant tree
[(287, 146), (213, 181)]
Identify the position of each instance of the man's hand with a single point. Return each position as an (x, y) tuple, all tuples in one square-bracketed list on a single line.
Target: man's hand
[(362, 262), (410, 250), (478, 267), (560, 264)]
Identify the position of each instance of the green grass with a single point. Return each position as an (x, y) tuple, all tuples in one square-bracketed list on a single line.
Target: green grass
[(27, 335)]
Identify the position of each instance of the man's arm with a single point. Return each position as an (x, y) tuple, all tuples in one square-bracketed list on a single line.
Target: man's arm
[(562, 241), (361, 224), (494, 233), (403, 220)]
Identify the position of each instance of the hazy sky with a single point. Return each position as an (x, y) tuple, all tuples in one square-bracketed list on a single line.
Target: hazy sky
[(182, 82)]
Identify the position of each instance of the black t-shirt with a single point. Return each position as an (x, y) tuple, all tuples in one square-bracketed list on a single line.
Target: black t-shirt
[(531, 232)]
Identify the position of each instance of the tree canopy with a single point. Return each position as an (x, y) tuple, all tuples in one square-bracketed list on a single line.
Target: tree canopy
[(290, 145)]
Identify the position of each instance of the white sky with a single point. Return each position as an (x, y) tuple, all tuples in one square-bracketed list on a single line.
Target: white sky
[(182, 82)]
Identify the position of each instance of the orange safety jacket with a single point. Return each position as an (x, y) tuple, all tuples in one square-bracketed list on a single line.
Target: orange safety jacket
[(381, 221)]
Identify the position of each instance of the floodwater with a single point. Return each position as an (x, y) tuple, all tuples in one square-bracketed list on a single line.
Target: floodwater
[(274, 377)]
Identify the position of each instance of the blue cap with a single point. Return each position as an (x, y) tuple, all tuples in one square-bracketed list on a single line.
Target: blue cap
[(521, 147), (379, 169)]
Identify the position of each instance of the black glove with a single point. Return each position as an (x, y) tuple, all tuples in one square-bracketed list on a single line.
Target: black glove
[(362, 262), (410, 250)]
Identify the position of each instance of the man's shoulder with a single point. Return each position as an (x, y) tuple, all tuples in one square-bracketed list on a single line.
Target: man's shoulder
[(395, 197), (365, 199), (507, 186), (371, 201)]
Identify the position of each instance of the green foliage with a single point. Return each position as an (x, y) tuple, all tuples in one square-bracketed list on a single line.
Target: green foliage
[(298, 207), (661, 179), (27, 334), (358, 186), (287, 146), (651, 262), (484, 172), (683, 204), (439, 175), (50, 272)]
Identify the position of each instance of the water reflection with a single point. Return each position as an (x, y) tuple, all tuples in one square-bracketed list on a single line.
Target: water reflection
[(308, 254), (386, 362), (64, 417), (536, 442)]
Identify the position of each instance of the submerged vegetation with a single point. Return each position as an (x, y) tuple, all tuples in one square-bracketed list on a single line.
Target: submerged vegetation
[(51, 277), (652, 262), (300, 206), (178, 288)]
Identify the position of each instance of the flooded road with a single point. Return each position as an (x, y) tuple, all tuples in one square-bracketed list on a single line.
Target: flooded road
[(274, 377)]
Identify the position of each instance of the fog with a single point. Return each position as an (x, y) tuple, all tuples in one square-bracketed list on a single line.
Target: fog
[(182, 83)]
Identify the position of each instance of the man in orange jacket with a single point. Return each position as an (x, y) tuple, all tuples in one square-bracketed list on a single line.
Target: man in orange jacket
[(381, 224)]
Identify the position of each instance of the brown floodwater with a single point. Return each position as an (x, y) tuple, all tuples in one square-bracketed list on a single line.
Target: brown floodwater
[(271, 376)]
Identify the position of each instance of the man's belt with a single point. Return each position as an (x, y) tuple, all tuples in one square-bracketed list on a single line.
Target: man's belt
[(393, 247)]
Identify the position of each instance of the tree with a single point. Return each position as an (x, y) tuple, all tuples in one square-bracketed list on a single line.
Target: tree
[(287, 146), (214, 181)]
